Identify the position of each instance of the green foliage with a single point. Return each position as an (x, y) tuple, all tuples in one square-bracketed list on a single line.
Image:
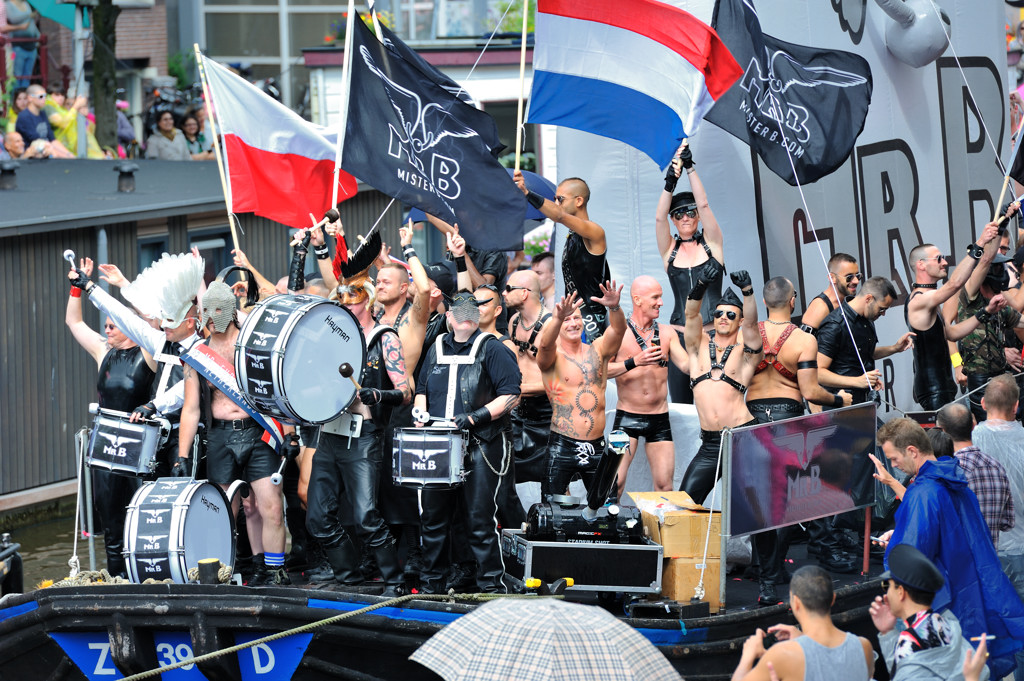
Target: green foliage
[(527, 161), (181, 65), (513, 21)]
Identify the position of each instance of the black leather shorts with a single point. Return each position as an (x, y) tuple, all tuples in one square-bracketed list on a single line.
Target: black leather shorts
[(650, 427)]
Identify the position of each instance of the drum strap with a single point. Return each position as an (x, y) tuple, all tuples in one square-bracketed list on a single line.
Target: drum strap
[(452, 362)]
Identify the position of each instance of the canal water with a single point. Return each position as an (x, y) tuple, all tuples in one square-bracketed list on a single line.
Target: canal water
[(46, 548)]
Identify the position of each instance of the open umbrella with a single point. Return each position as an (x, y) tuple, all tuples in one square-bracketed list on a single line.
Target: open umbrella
[(542, 639), (534, 182)]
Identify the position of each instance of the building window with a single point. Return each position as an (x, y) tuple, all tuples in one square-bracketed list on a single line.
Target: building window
[(150, 250), (215, 247)]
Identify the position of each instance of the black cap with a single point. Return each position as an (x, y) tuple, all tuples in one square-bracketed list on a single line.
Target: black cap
[(682, 201), (729, 297), (444, 275), (910, 567)]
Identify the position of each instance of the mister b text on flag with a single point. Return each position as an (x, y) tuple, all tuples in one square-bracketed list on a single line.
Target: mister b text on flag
[(808, 101), (412, 139)]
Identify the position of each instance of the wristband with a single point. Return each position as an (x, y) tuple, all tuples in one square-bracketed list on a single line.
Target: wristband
[(614, 308), (76, 292), (89, 287), (975, 251), (956, 359), (630, 364), (983, 316), (534, 199), (322, 252), (747, 291), (409, 253), (837, 402), (691, 170), (460, 264)]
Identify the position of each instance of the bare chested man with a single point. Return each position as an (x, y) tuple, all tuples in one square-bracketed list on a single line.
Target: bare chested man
[(531, 418), (235, 449), (640, 370), (844, 277), (575, 376), (719, 376), (786, 375)]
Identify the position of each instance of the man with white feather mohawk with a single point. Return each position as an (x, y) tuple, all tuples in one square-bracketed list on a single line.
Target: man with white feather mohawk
[(166, 291)]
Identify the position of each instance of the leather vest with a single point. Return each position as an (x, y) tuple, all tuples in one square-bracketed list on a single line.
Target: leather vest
[(475, 388), (375, 373), (125, 380)]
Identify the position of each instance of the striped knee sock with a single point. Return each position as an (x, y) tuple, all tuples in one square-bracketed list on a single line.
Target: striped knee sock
[(273, 560)]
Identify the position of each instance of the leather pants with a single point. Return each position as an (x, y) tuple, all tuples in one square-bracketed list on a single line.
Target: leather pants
[(975, 381), (702, 473), (531, 425), (355, 469), (112, 493), (484, 463)]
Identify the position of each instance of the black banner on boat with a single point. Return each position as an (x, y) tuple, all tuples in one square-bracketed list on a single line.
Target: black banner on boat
[(800, 469)]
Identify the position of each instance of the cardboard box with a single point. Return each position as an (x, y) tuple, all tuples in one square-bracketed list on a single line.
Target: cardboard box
[(683, 532), (680, 576)]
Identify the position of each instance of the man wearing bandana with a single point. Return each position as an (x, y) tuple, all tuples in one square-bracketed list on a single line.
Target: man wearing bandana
[(353, 462), (472, 379)]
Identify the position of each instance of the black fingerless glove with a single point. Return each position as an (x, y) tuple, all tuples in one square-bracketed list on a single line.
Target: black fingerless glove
[(479, 417), (711, 271), (373, 396), (146, 411), (741, 279), (686, 156), (180, 469), (291, 448), (671, 179), (81, 281)]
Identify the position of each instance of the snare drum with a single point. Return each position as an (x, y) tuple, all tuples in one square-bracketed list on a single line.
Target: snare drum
[(429, 457), (288, 354), (123, 447), (172, 524)]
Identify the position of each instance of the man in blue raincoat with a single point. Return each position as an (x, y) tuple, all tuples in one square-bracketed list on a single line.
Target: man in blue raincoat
[(940, 516)]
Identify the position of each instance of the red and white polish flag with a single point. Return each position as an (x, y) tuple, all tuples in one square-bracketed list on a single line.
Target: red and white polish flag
[(279, 165)]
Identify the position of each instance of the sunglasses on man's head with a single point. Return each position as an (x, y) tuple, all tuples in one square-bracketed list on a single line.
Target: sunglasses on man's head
[(684, 212), (725, 313)]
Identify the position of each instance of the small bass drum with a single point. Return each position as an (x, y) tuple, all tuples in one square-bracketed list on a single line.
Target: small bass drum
[(123, 447), (172, 524), (288, 355), (429, 457)]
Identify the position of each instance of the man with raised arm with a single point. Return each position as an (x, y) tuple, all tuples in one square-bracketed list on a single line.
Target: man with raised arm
[(575, 377), (843, 279), (640, 370), (531, 419), (584, 269), (934, 385), (786, 375), (719, 378)]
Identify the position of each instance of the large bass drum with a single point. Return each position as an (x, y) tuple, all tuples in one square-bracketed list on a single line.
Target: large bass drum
[(172, 524), (288, 355)]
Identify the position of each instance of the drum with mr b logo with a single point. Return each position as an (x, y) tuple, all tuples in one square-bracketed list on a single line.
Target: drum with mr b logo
[(288, 357), (429, 457), (123, 447)]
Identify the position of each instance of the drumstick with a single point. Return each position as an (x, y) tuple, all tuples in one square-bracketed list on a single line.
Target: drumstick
[(346, 371)]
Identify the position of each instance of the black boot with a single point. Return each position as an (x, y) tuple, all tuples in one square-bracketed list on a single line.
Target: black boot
[(767, 596), (259, 571), (387, 559), (344, 560)]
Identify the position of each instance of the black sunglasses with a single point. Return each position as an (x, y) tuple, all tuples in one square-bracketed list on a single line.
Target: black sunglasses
[(489, 287), (725, 313), (684, 212), (855, 275), (509, 288)]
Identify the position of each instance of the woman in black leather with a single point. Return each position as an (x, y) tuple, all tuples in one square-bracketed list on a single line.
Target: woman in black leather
[(684, 254)]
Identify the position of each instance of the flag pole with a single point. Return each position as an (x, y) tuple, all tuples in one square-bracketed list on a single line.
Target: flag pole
[(218, 138), (346, 79), (1009, 166), (522, 84), (376, 22)]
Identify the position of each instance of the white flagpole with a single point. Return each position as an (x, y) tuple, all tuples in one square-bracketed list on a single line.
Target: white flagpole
[(218, 138), (346, 78), (376, 22), (522, 84)]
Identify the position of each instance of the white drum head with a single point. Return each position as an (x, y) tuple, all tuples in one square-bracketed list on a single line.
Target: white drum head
[(207, 532), (326, 336)]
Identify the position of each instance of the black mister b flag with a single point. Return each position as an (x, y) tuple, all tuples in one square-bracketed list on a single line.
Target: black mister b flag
[(809, 101), (413, 140)]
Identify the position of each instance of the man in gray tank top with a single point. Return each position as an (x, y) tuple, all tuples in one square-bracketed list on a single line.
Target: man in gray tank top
[(815, 649)]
